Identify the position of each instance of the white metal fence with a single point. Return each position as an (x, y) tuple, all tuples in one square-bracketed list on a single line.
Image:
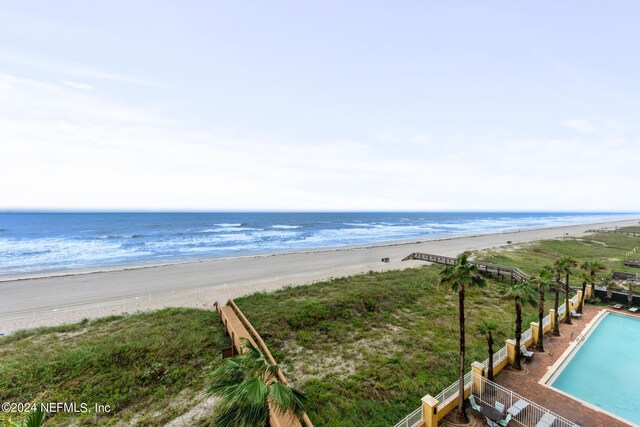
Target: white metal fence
[(498, 357), (412, 420), (445, 395), (524, 412)]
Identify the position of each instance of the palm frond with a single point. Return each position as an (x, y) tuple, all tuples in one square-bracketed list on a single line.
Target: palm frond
[(285, 398)]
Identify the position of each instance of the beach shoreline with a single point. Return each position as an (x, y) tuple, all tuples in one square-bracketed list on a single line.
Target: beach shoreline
[(54, 299), (138, 266)]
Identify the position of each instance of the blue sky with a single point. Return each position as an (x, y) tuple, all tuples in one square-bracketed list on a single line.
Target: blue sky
[(319, 105)]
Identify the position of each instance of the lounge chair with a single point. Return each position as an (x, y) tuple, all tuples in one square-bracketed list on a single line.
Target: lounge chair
[(634, 309), (546, 420), (527, 354), (617, 306), (474, 405), (503, 423), (491, 423), (499, 406), (575, 314), (517, 407)]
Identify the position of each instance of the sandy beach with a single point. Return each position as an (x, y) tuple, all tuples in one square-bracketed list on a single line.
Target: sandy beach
[(44, 301)]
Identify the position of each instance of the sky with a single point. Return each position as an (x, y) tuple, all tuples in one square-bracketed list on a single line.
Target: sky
[(320, 105)]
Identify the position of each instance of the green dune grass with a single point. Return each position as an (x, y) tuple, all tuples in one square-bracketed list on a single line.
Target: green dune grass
[(148, 367)]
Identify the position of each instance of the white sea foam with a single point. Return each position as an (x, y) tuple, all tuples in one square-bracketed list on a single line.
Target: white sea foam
[(18, 255), (226, 224), (286, 227)]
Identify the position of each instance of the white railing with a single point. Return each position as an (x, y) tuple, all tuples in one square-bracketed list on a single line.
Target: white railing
[(498, 357), (527, 413), (526, 336), (446, 394), (574, 299), (414, 419), (560, 311)]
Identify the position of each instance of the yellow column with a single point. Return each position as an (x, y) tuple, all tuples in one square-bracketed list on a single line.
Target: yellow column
[(534, 332), (430, 411), (479, 370), (511, 351), (552, 313), (588, 292), (579, 298)]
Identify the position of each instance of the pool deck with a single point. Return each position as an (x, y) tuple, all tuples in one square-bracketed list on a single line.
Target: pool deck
[(526, 382)]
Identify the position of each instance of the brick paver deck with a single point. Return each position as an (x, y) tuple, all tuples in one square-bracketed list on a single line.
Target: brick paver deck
[(525, 382)]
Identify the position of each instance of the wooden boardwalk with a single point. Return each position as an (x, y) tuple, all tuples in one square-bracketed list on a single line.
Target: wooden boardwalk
[(236, 330), (239, 327), (606, 231), (498, 271)]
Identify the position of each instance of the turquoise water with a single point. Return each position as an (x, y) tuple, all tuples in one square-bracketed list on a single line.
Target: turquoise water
[(606, 369)]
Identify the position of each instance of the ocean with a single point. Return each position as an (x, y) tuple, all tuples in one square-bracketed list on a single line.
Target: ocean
[(59, 242)]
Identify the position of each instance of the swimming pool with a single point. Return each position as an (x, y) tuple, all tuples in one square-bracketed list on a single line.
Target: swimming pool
[(604, 370)]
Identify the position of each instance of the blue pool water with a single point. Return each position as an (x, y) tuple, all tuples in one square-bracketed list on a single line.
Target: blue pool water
[(605, 371)]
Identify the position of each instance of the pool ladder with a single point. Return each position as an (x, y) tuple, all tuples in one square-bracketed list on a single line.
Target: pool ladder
[(580, 338)]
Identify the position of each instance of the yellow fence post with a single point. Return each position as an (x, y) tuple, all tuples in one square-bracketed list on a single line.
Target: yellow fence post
[(534, 331), (479, 371), (511, 351), (579, 293), (429, 411), (552, 315), (588, 293)]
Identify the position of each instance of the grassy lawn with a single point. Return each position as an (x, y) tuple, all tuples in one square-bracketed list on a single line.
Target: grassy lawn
[(366, 348), (149, 367)]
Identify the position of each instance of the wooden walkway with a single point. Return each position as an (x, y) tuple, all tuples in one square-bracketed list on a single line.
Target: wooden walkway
[(498, 271), (235, 329), (239, 327), (606, 231)]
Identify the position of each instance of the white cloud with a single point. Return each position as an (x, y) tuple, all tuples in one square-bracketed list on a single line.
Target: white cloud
[(64, 148), (59, 66), (76, 85), (579, 125)]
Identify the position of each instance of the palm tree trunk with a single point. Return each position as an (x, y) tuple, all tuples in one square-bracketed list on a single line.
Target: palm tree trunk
[(490, 344), (567, 311), (556, 323), (584, 289), (516, 362), (540, 345), (461, 412)]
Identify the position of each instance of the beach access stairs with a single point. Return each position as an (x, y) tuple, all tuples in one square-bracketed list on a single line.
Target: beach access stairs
[(239, 328)]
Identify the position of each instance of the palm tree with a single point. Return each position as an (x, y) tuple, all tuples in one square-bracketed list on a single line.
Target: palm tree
[(487, 329), (590, 267), (584, 279), (459, 276), (248, 388), (540, 283), (569, 263), (521, 292), (607, 283), (34, 419), (557, 269), (630, 287)]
